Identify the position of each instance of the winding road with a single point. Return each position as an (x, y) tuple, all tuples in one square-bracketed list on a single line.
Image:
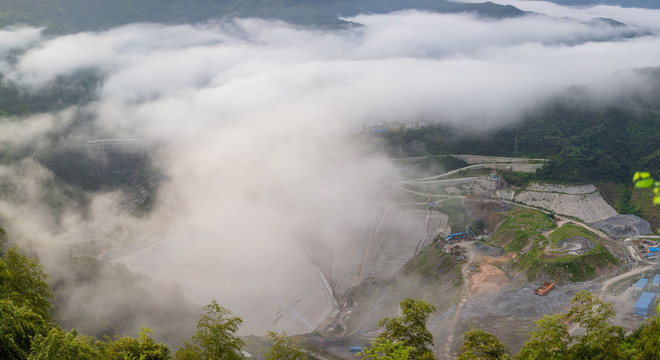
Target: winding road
[(464, 299)]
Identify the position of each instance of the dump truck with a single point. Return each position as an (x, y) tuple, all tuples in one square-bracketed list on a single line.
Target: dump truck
[(545, 288)]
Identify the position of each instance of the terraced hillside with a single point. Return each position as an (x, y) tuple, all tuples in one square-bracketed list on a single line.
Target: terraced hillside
[(581, 201)]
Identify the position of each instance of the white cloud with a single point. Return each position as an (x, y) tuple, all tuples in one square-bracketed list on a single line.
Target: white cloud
[(255, 113)]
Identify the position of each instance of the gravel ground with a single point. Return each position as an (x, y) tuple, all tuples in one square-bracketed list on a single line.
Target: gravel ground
[(487, 250), (523, 303), (622, 226)]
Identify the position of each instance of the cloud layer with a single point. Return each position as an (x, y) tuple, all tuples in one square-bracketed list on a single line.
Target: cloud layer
[(255, 116)]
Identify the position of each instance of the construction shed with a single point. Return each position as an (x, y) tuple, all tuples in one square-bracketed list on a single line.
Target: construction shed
[(645, 305), (656, 281), (640, 284)]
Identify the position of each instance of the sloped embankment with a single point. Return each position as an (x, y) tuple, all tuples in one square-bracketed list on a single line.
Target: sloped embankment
[(547, 253), (583, 201), (430, 275)]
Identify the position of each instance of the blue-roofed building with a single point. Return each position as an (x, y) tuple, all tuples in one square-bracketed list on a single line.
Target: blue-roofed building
[(656, 280), (645, 305), (640, 284)]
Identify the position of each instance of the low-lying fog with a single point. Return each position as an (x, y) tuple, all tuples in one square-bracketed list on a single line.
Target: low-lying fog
[(253, 118)]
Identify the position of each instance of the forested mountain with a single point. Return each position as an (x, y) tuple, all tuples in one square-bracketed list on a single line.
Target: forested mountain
[(647, 4), (585, 139), (77, 15)]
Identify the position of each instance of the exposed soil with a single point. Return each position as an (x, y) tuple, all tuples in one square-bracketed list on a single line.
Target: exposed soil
[(489, 279), (576, 245)]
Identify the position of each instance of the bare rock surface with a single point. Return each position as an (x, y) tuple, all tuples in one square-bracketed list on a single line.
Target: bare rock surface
[(622, 226), (523, 303), (576, 245)]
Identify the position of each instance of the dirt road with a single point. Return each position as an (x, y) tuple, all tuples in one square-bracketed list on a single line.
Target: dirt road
[(465, 297)]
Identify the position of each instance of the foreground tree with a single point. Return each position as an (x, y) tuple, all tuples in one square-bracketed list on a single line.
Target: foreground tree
[(142, 348), (62, 345), (644, 343), (410, 330), (601, 338), (23, 281), (214, 338), (550, 340), (24, 303), (18, 326), (480, 345), (383, 349), (284, 348)]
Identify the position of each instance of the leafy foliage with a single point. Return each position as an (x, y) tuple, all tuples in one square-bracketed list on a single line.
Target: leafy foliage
[(23, 282), (59, 344), (383, 349), (18, 325), (284, 348), (478, 344), (600, 338), (643, 342), (24, 306), (24, 312), (215, 336), (643, 179), (143, 348), (549, 341), (409, 329)]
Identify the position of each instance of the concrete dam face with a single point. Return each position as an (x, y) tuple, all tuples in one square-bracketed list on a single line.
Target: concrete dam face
[(114, 156), (307, 286)]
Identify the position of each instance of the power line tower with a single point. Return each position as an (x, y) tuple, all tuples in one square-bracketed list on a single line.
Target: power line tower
[(515, 148)]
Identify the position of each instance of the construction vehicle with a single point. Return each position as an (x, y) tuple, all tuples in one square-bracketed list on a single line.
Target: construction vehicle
[(545, 288)]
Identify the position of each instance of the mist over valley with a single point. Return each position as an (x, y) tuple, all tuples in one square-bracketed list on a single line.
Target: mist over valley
[(305, 164)]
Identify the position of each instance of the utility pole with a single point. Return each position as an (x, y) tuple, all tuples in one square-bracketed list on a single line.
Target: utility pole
[(515, 150)]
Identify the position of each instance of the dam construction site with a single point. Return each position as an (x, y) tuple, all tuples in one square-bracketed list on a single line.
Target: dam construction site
[(487, 254)]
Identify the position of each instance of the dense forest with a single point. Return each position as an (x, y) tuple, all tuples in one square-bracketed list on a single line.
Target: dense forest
[(585, 140), (76, 15), (648, 4)]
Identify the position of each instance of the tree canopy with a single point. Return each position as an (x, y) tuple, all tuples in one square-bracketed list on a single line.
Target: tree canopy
[(600, 338), (284, 348), (215, 337), (409, 329)]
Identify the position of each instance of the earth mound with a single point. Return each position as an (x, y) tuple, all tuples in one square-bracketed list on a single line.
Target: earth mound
[(622, 226), (576, 245)]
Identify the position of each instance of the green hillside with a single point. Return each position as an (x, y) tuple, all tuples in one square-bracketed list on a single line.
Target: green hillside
[(63, 16), (541, 257), (646, 4), (585, 139)]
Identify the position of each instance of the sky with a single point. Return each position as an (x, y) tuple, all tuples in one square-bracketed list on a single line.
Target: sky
[(256, 118)]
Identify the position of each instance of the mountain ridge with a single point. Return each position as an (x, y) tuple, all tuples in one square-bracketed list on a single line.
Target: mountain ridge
[(65, 16)]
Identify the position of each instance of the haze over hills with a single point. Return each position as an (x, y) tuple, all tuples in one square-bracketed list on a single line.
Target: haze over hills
[(253, 153), (648, 4), (76, 15)]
